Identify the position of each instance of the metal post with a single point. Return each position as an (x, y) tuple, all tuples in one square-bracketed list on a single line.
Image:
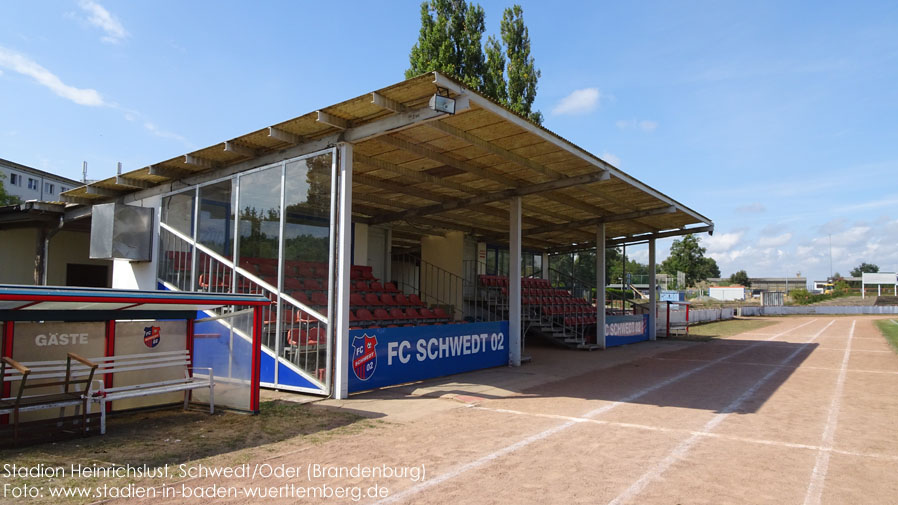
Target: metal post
[(600, 285), (514, 282), (341, 312), (653, 309)]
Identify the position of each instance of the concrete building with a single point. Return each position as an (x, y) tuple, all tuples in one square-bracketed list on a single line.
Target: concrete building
[(32, 184)]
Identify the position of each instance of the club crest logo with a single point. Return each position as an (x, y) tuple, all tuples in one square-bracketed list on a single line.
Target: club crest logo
[(151, 335), (364, 356)]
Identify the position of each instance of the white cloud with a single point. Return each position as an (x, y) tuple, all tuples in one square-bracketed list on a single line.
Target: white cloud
[(155, 130), (646, 125), (102, 19), (580, 101), (752, 208), (25, 66), (722, 242), (610, 158), (776, 241)]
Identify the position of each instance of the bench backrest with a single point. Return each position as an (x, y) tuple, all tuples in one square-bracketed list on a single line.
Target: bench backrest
[(146, 361), (72, 371)]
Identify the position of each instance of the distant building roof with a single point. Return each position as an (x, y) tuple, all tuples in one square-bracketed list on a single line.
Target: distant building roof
[(42, 173)]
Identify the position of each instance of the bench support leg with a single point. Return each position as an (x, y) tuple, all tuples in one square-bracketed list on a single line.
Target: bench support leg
[(102, 416), (211, 398)]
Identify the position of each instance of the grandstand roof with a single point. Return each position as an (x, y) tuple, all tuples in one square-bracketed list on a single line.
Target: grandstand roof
[(425, 172)]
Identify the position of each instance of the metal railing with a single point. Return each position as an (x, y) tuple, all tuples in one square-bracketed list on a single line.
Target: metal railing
[(434, 285), (293, 330)]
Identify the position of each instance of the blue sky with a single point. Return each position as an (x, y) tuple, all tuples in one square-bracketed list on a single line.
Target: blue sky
[(775, 119)]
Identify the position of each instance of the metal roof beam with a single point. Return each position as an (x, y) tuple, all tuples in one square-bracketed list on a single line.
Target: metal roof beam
[(285, 136), (480, 171), (332, 120), (387, 103), (132, 183), (105, 192), (669, 209), (494, 197), (240, 149), (636, 238), (168, 172), (199, 162)]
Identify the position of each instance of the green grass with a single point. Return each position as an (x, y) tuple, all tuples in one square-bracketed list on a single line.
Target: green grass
[(889, 329), (719, 329), (173, 436)]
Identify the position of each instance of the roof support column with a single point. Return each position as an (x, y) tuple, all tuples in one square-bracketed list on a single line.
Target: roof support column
[(545, 266), (514, 282), (653, 292), (340, 318), (600, 285)]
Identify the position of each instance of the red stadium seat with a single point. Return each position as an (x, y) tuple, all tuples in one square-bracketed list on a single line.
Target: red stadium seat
[(356, 300), (381, 315), (372, 300), (389, 287), (397, 314), (388, 300), (412, 314), (376, 286), (402, 300), (362, 286), (319, 298), (414, 300)]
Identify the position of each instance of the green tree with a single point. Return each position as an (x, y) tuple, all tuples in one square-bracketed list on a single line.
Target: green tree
[(6, 198), (503, 69), (864, 268), (688, 256), (740, 278)]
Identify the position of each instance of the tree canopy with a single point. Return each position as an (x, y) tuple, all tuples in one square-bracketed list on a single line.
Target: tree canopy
[(6, 198), (450, 41), (688, 256), (864, 268), (740, 278)]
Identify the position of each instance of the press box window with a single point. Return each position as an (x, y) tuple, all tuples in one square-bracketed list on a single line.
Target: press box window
[(48, 188), (15, 179), (32, 184)]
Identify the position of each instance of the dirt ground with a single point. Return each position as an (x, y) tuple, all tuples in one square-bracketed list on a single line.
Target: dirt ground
[(801, 411)]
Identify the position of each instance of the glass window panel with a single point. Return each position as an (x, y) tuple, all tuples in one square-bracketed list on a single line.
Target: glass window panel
[(308, 202), (260, 222), (216, 219), (177, 212)]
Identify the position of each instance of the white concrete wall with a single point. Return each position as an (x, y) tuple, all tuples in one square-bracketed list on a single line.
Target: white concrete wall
[(360, 245), (66, 247), (140, 275), (726, 293), (444, 252)]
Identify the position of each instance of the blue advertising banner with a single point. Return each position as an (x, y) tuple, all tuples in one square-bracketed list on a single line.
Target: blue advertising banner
[(622, 330), (381, 357)]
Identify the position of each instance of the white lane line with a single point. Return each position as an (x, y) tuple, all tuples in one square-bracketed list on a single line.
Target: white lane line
[(683, 448), (818, 476), (796, 367), (856, 350), (421, 486), (663, 429)]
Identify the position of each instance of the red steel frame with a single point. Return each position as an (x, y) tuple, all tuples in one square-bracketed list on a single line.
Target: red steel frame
[(6, 350), (257, 360), (109, 350)]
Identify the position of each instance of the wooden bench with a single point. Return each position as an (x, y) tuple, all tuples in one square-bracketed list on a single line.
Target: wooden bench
[(66, 374), (149, 361)]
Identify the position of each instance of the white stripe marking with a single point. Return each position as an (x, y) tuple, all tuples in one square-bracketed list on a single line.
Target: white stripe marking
[(663, 429), (561, 427), (821, 466), (683, 448)]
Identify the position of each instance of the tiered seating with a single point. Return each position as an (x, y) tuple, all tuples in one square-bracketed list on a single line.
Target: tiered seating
[(372, 303), (540, 300)]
